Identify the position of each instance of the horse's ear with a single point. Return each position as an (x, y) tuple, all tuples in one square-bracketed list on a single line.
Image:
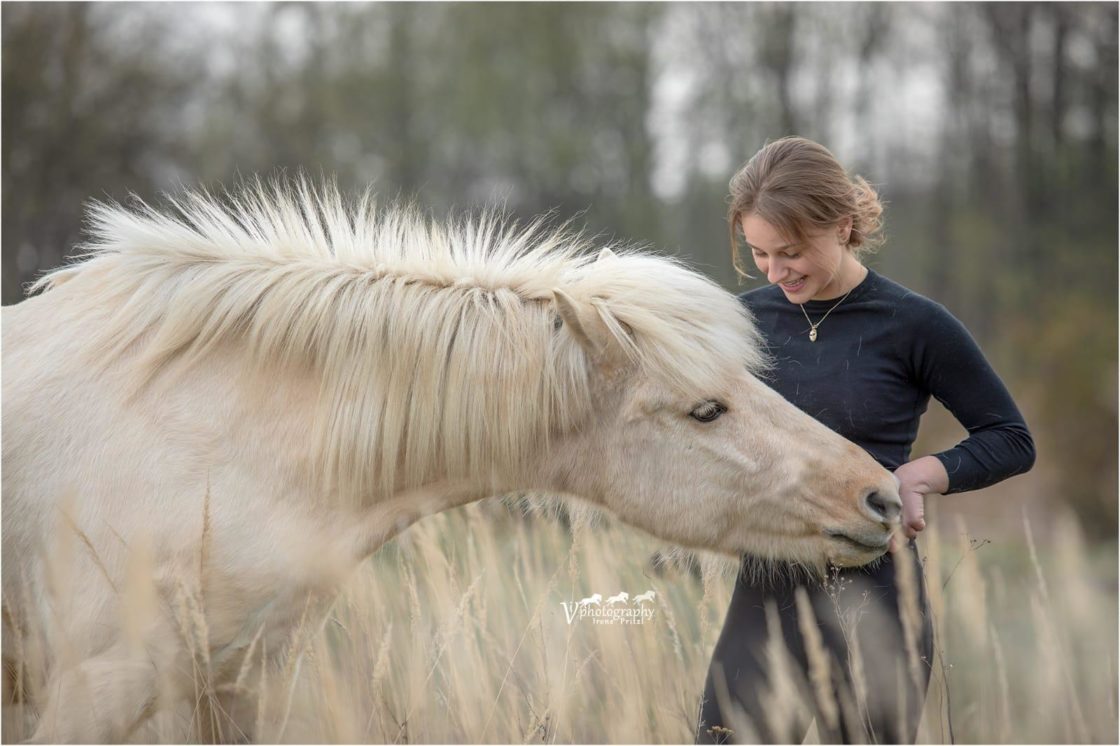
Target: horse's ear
[(588, 329), (583, 324)]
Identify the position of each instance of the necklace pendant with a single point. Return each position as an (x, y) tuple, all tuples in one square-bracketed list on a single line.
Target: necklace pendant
[(813, 334)]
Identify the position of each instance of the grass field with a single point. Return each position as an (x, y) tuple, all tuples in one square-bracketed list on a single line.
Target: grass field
[(456, 632)]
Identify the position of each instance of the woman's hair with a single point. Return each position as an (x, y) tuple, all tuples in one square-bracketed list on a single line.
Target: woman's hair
[(798, 186)]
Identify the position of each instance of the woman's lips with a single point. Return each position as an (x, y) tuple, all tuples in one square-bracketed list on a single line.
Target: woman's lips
[(793, 287)]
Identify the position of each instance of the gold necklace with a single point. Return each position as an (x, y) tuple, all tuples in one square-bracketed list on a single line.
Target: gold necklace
[(812, 326)]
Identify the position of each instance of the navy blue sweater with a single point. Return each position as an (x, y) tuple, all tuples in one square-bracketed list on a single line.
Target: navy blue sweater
[(878, 358)]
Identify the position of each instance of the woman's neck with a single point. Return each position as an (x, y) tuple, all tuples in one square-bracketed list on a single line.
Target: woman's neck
[(850, 273)]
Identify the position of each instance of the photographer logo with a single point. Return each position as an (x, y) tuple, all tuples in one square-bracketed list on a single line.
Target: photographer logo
[(617, 609)]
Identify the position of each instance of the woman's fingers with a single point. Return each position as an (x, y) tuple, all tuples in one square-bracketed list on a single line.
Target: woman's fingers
[(913, 512)]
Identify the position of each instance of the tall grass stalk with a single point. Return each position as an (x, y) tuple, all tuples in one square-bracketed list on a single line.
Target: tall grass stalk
[(455, 632)]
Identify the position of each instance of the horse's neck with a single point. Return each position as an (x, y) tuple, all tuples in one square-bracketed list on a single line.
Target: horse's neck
[(271, 418), (388, 517), (257, 421)]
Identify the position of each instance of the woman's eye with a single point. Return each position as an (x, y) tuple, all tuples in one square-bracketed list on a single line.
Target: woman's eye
[(708, 411)]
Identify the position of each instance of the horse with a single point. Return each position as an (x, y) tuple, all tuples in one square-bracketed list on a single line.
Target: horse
[(224, 406), (643, 597)]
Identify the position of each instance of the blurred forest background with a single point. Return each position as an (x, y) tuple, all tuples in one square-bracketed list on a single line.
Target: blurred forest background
[(991, 130)]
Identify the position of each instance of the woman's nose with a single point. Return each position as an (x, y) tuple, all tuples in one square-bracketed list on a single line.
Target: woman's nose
[(775, 272)]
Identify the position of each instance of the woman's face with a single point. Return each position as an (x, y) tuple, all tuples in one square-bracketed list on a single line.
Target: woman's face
[(815, 269)]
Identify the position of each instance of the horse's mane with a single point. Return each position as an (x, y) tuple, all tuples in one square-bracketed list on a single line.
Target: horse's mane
[(437, 345)]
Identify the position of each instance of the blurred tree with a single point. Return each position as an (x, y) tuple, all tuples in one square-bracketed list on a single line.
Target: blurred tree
[(87, 113), (776, 57)]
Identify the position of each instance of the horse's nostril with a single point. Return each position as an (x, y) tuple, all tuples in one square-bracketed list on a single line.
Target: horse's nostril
[(886, 507)]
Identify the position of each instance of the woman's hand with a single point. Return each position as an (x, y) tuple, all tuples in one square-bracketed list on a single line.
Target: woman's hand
[(916, 479)]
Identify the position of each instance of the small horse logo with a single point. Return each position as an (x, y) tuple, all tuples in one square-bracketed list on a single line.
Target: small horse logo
[(621, 598), (594, 598), (647, 596)]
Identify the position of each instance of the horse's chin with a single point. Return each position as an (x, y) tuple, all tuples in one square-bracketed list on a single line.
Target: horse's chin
[(847, 551)]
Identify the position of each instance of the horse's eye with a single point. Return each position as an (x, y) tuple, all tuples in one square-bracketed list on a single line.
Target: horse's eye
[(707, 411)]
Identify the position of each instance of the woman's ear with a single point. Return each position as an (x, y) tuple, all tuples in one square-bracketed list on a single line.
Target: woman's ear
[(844, 230)]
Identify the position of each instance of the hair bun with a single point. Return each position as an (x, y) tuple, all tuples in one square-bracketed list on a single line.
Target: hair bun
[(867, 218)]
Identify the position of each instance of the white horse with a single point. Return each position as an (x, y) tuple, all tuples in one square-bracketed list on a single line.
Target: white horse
[(643, 597), (218, 413), (594, 599), (619, 599)]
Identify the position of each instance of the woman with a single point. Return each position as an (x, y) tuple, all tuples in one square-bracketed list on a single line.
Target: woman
[(861, 354)]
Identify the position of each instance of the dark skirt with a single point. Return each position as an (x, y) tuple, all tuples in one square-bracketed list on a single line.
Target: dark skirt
[(757, 693)]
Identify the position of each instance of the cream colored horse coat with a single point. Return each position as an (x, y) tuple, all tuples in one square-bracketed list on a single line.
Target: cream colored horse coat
[(219, 412)]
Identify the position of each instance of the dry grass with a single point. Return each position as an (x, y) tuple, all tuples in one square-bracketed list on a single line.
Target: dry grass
[(455, 632)]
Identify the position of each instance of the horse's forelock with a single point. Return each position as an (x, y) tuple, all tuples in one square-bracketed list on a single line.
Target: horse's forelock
[(683, 328)]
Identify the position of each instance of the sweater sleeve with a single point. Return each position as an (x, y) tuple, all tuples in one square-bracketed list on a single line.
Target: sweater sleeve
[(950, 365)]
